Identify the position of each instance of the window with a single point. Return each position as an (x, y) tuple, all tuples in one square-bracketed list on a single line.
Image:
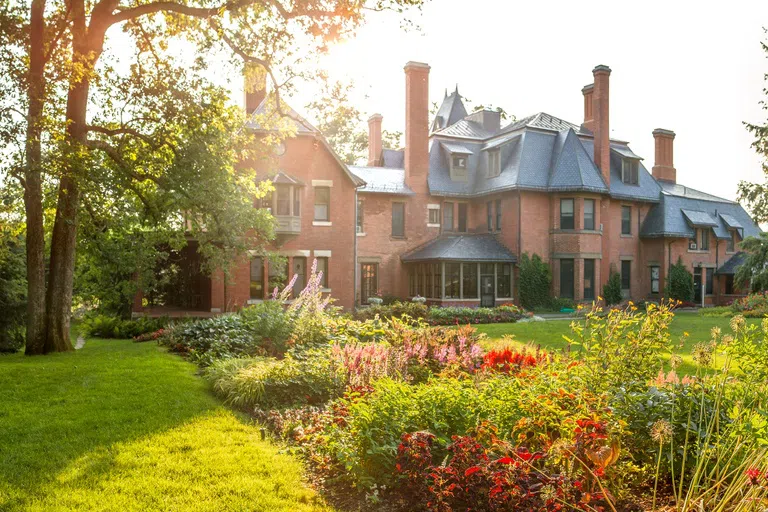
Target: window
[(626, 220), (369, 281), (730, 245), (498, 215), (629, 171), (300, 271), (489, 215), (589, 214), (283, 200), (437, 280), (278, 270), (470, 280), (360, 216), (655, 279), (728, 284), (322, 203), (448, 217), (463, 217), (494, 163), (566, 278), (504, 280), (626, 274), (589, 279), (459, 162), (398, 220), (452, 280), (322, 266), (296, 202), (434, 216), (265, 202), (566, 214), (710, 281), (704, 237), (257, 278)]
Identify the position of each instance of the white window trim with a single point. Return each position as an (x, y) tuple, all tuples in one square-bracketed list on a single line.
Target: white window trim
[(322, 183), (322, 254), (325, 223), (325, 290), (361, 234), (296, 253), (433, 207)]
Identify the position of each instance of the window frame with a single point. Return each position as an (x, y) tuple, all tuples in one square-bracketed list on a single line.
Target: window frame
[(730, 244), (494, 162), (360, 218), (302, 275), (591, 288), (630, 171), (498, 214), (657, 279), (448, 213), (259, 281), (283, 204), (626, 224), (626, 265), (564, 263), (592, 214), (457, 157), (489, 215), (703, 237), (323, 261), (398, 204), (463, 219), (473, 272), (709, 275), (451, 272), (571, 216), (436, 211), (327, 205), (500, 268)]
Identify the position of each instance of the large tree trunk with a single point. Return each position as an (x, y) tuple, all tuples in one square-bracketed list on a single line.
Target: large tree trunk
[(33, 195)]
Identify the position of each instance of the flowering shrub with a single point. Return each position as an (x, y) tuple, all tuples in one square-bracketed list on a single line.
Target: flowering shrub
[(396, 309), (461, 316), (149, 336), (509, 360), (752, 302)]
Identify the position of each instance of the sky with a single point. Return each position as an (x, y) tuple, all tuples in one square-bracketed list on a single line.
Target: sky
[(692, 67)]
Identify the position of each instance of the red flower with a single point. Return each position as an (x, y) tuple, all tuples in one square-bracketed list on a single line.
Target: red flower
[(472, 470), (505, 460)]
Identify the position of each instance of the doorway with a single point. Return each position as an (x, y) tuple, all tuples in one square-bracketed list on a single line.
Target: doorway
[(369, 281), (697, 285), (487, 299)]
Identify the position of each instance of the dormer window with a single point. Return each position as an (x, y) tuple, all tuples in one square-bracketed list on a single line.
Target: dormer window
[(459, 163), (630, 169), (494, 163)]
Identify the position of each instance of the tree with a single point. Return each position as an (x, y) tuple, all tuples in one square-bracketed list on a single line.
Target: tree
[(680, 284), (150, 138), (755, 195), (342, 123), (753, 273), (535, 280), (612, 289)]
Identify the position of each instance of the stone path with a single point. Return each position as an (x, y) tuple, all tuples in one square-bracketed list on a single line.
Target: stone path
[(80, 342)]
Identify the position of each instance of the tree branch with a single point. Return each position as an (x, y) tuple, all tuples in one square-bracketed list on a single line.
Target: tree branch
[(125, 130), (113, 154)]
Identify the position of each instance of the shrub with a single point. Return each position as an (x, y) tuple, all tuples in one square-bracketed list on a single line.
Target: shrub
[(219, 337), (149, 336), (396, 309), (270, 323), (13, 293), (534, 282), (307, 377), (718, 311), (102, 326), (754, 302), (612, 289), (463, 315), (680, 284)]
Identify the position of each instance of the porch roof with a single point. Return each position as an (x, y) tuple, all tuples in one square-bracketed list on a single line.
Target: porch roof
[(730, 267), (464, 247)]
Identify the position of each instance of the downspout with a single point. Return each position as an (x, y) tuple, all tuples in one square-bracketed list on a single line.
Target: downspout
[(519, 245), (354, 254)]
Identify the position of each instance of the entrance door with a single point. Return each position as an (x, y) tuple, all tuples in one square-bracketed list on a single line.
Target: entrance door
[(486, 292), (697, 285), (369, 281)]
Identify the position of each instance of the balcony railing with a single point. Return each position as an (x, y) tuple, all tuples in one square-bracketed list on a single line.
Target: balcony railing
[(288, 225)]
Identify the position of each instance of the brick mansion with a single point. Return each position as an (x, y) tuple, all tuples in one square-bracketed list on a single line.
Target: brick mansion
[(449, 216)]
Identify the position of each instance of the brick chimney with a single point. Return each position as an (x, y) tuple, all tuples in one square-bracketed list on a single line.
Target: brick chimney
[(589, 117), (374, 141), (602, 129), (663, 166), (416, 125), (254, 86)]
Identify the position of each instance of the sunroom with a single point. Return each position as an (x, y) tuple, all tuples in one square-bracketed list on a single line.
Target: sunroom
[(471, 270)]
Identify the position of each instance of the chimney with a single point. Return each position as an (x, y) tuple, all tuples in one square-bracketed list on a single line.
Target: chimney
[(663, 166), (589, 117), (416, 125), (601, 121), (490, 120), (374, 141), (254, 86)]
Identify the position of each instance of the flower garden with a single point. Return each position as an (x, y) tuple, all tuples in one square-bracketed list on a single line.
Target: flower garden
[(400, 409)]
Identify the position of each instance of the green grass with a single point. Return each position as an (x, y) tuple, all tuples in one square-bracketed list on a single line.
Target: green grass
[(126, 426), (549, 334)]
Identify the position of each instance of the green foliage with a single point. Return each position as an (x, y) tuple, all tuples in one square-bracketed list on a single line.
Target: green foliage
[(534, 283), (397, 309), (752, 274), (612, 289), (269, 321), (464, 315), (717, 311), (102, 326), (301, 378), (13, 292), (680, 283), (220, 337)]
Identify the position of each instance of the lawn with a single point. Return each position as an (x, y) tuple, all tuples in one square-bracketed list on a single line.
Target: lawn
[(549, 334), (126, 426)]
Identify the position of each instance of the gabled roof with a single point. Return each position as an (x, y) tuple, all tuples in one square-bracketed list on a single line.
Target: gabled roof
[(669, 218), (382, 180), (540, 120), (283, 178), (730, 267), (461, 247), (451, 111)]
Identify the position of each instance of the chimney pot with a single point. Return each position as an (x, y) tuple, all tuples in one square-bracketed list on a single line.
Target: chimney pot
[(663, 167)]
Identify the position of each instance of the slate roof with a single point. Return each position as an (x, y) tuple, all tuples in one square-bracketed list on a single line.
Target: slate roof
[(451, 111), (668, 218), (462, 247), (730, 267), (382, 180), (393, 158), (730, 221), (698, 218), (540, 120), (284, 178), (452, 147)]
